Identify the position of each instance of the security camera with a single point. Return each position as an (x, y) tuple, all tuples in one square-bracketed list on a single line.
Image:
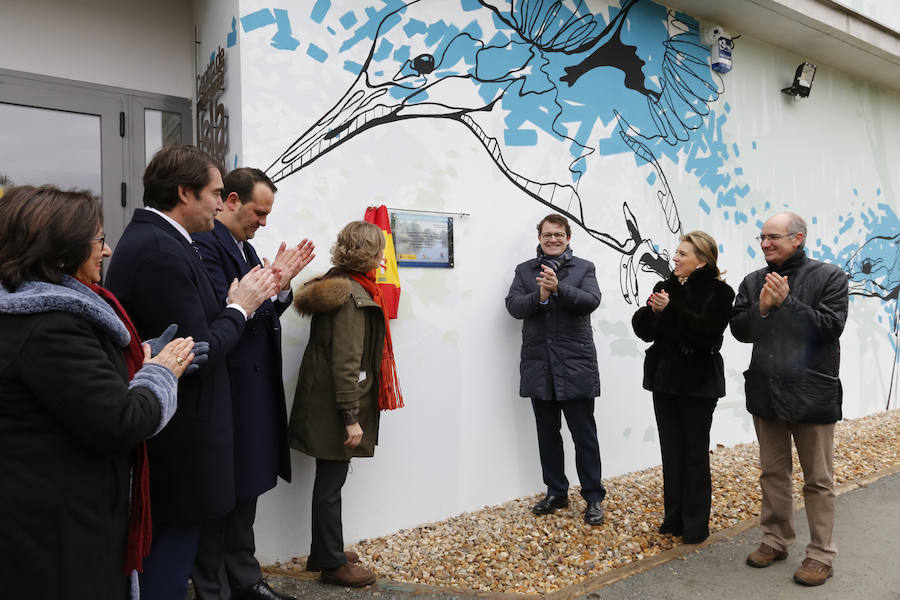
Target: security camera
[(710, 34)]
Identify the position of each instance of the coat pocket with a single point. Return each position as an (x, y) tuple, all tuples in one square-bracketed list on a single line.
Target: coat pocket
[(816, 398), (759, 397)]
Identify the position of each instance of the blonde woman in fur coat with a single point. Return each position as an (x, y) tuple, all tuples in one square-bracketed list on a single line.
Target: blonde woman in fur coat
[(685, 318)]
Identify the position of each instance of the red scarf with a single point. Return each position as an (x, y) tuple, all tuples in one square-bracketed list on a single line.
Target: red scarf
[(139, 524), (389, 395)]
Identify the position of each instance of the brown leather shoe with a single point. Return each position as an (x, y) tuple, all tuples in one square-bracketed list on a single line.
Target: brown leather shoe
[(764, 556), (813, 572), (350, 575), (313, 565)]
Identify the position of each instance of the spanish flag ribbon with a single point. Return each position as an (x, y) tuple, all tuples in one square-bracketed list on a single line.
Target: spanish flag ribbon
[(387, 277)]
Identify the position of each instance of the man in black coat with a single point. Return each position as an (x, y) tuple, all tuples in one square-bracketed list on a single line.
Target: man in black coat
[(555, 294), (793, 312), (160, 279), (225, 558)]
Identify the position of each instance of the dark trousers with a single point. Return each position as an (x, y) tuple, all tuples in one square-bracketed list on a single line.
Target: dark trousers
[(580, 420), (225, 554), (168, 566), (327, 547), (683, 424)]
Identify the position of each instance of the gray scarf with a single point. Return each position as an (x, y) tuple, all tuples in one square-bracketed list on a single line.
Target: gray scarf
[(554, 262)]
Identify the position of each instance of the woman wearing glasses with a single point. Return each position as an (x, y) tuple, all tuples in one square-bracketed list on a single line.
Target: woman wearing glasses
[(684, 318), (79, 394)]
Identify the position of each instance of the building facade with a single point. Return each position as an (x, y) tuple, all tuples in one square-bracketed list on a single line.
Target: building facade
[(495, 113)]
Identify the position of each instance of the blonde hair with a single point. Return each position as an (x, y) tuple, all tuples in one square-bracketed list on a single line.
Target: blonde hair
[(706, 249), (358, 247)]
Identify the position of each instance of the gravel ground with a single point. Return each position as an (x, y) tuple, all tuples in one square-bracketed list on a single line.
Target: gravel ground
[(505, 548)]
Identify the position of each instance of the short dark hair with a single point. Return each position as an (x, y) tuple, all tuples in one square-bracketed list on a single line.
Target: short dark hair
[(243, 180), (173, 166), (45, 232), (556, 219)]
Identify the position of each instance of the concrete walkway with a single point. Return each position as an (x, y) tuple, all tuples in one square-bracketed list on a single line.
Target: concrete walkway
[(867, 532), (867, 568)]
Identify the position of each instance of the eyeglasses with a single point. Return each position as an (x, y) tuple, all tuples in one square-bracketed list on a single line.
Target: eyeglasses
[(101, 239), (774, 237), (553, 236)]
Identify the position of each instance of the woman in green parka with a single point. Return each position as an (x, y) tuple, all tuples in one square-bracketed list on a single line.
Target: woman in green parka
[(346, 377)]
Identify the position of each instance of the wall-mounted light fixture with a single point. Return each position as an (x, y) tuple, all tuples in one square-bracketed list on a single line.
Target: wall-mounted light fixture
[(803, 79)]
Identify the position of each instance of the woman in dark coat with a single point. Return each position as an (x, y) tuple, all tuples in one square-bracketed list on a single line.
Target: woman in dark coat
[(346, 377), (70, 419), (684, 318)]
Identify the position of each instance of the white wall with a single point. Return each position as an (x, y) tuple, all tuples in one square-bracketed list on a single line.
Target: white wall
[(146, 46), (465, 438)]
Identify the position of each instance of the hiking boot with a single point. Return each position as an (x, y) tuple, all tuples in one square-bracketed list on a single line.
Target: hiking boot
[(764, 556), (812, 572), (349, 575)]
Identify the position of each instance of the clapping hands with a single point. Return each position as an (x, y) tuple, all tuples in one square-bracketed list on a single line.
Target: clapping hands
[(658, 301), (290, 261), (254, 288), (547, 282), (176, 355), (773, 293)]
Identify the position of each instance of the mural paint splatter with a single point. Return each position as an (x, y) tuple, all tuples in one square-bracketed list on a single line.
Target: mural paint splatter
[(283, 38)]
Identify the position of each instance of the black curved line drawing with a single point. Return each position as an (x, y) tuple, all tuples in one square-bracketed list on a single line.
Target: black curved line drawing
[(575, 44), (874, 272)]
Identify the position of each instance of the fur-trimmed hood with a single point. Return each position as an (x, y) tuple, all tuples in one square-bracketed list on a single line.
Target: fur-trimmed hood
[(322, 295)]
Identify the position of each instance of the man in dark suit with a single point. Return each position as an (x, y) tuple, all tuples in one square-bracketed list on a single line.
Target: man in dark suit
[(554, 295), (160, 279), (225, 558)]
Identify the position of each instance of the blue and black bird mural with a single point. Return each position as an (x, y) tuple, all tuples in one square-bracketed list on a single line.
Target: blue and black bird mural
[(874, 271), (550, 89)]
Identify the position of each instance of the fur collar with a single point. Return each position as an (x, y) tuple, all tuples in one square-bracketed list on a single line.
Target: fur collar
[(703, 276), (71, 296), (322, 295)]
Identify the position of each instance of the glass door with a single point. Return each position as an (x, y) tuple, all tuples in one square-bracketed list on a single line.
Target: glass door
[(39, 145), (66, 135), (155, 122), (85, 136)]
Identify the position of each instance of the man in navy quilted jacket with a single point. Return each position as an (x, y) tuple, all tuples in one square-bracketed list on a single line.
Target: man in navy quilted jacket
[(554, 294)]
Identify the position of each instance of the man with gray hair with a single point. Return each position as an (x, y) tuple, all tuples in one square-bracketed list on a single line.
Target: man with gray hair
[(793, 312)]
